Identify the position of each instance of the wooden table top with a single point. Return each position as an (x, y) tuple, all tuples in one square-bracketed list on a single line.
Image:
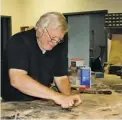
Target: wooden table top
[(94, 106)]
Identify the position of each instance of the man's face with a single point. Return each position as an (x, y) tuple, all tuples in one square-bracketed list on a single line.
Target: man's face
[(50, 37)]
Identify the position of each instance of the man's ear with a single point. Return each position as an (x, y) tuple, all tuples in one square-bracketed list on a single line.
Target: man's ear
[(35, 28), (39, 31)]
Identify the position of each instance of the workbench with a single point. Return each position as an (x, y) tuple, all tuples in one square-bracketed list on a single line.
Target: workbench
[(94, 106)]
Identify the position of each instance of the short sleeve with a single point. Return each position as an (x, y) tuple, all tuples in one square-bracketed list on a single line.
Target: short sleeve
[(17, 53)]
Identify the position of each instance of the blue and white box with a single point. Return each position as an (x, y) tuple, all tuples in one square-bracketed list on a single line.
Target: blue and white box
[(85, 77)]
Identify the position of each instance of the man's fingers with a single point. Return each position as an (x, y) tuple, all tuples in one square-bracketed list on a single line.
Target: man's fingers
[(77, 102), (71, 103), (65, 106)]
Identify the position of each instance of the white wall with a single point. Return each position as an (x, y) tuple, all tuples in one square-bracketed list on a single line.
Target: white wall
[(37, 7), (15, 9), (81, 5), (27, 12), (109, 49)]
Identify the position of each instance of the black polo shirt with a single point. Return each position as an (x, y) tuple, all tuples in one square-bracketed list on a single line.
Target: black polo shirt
[(24, 53)]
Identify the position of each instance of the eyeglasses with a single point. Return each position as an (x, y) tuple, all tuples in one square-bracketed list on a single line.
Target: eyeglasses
[(56, 40)]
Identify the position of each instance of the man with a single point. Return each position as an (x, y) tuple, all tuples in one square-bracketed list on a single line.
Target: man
[(34, 59)]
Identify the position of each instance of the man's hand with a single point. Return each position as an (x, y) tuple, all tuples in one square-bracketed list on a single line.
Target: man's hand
[(68, 101)]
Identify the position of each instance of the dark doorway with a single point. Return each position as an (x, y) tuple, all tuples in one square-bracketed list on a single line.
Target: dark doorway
[(5, 36), (5, 32)]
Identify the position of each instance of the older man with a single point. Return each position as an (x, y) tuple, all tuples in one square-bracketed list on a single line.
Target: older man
[(35, 58)]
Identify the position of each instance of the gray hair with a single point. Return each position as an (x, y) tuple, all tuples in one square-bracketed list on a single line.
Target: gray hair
[(53, 19)]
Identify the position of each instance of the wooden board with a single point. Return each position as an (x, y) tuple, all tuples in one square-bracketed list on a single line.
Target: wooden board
[(94, 106), (116, 50), (115, 56)]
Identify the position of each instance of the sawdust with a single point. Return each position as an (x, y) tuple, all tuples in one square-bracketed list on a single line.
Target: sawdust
[(94, 106)]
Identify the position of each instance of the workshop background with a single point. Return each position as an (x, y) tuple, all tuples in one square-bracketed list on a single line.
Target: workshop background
[(94, 40), (25, 13)]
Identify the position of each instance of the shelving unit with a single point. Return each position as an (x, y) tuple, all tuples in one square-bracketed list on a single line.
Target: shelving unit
[(113, 20)]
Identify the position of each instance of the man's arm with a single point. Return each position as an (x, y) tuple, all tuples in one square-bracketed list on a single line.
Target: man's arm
[(63, 84), (24, 83), (27, 85)]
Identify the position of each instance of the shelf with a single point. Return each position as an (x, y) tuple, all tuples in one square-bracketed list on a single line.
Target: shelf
[(113, 20)]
